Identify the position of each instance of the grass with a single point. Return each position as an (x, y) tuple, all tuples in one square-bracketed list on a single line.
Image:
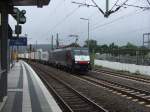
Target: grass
[(98, 66), (137, 72)]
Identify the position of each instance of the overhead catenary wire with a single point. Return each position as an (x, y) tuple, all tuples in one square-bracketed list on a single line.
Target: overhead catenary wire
[(62, 21), (123, 3), (98, 7), (66, 17), (105, 13), (148, 2), (111, 9), (136, 6), (114, 4), (131, 31), (60, 4), (115, 20)]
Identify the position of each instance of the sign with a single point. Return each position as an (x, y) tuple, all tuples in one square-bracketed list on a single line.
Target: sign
[(21, 41)]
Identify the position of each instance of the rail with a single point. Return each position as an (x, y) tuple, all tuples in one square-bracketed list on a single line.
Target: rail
[(74, 94), (129, 91), (113, 73)]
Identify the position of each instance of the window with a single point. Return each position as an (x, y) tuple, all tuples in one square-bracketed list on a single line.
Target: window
[(81, 52)]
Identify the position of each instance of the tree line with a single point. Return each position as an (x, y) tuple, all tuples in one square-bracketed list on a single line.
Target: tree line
[(113, 49)]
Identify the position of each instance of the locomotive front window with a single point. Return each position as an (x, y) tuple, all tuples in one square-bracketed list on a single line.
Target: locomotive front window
[(84, 52), (81, 52), (77, 52)]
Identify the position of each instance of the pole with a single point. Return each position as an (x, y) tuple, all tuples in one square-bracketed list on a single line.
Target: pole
[(88, 33), (17, 34), (52, 42), (4, 48), (88, 45), (36, 45), (148, 41), (57, 41), (107, 5)]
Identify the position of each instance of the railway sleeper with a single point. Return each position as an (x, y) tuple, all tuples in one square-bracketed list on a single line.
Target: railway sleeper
[(142, 95), (73, 99), (81, 106), (86, 109), (131, 91), (67, 95), (139, 94), (146, 96), (72, 102)]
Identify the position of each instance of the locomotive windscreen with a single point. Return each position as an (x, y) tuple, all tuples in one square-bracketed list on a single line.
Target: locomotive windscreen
[(81, 55), (81, 52)]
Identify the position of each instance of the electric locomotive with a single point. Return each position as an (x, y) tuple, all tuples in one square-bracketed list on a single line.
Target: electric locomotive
[(73, 58)]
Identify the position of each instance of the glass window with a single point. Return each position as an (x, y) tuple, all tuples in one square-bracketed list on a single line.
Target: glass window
[(81, 52), (84, 52), (77, 52)]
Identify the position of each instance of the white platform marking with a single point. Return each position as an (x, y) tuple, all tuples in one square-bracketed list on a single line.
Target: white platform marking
[(26, 104), (15, 90), (52, 103)]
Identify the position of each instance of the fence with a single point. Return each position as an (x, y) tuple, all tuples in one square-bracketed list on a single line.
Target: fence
[(124, 67), (139, 60)]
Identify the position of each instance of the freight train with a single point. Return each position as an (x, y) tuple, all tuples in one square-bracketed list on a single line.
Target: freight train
[(72, 58)]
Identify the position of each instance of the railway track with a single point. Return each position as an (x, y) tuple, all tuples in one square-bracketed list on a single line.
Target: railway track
[(70, 99), (143, 97), (122, 75), (134, 95)]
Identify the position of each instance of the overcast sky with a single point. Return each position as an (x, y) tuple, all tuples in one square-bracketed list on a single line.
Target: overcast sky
[(126, 25)]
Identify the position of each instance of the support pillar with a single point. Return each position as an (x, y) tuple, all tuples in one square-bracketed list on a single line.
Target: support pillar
[(3, 48)]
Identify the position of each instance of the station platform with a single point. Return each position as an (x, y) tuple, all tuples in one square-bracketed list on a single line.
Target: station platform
[(26, 92)]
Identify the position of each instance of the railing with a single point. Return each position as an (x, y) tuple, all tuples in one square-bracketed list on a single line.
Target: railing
[(126, 59)]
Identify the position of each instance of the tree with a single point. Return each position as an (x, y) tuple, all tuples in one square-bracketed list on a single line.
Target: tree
[(113, 46), (129, 49), (72, 45), (113, 49), (92, 44), (130, 46), (104, 48)]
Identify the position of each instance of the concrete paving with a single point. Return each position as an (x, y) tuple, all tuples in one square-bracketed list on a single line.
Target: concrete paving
[(26, 92)]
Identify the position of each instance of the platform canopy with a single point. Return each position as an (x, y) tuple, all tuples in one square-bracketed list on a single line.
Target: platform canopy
[(38, 3)]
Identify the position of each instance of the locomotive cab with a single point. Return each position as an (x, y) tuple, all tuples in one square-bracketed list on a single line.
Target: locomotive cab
[(81, 59)]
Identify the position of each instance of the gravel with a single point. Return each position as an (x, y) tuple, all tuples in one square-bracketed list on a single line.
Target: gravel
[(102, 96), (123, 81)]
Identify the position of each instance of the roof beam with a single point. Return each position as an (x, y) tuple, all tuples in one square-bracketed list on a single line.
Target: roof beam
[(38, 3)]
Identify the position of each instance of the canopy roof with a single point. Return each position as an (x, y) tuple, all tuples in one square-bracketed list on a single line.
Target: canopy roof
[(38, 3)]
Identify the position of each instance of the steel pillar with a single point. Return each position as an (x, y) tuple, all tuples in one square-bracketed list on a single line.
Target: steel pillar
[(4, 49)]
